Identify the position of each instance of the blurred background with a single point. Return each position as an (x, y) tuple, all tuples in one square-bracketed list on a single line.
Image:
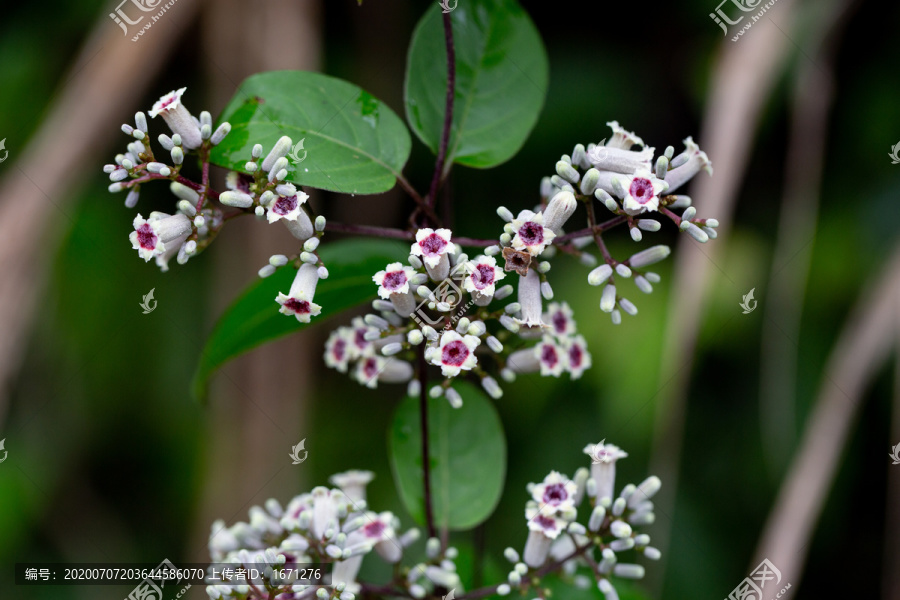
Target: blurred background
[(770, 430)]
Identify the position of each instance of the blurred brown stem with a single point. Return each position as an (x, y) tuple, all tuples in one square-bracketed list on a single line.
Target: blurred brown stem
[(812, 98), (862, 348), (742, 80)]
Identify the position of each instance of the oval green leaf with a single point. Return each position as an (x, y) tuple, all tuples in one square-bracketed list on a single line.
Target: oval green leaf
[(349, 141), (501, 81), (468, 458), (253, 318)]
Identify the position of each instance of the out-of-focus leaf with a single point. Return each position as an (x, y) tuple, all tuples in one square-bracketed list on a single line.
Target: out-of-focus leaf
[(468, 458)]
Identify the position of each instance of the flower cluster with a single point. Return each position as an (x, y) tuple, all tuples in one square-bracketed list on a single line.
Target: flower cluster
[(327, 525), (456, 323), (633, 187), (441, 302), (554, 533)]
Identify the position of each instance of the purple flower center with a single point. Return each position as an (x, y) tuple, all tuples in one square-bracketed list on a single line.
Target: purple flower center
[(531, 233), (374, 529), (370, 368), (455, 354), (545, 522), (641, 190), (394, 280), (359, 338), (432, 245), (146, 238), (483, 276), (165, 104), (549, 356), (560, 322), (243, 182), (575, 355), (300, 307), (285, 205), (555, 493), (340, 346)]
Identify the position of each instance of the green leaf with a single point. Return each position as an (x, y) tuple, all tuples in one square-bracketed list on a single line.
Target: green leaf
[(353, 143), (501, 81), (468, 458), (254, 318)]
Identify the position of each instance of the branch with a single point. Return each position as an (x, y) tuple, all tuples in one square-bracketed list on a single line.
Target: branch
[(399, 234), (448, 111), (606, 225), (426, 458)]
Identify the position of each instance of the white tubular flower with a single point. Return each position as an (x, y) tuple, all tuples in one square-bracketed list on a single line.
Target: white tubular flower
[(299, 302), (649, 256), (559, 317), (697, 160), (324, 510), (531, 234), (556, 492), (287, 207), (622, 138), (178, 118), (603, 467), (345, 571), (393, 283), (172, 250), (378, 532), (559, 209), (456, 353), (578, 359), (373, 368), (353, 483), (482, 282), (531, 300), (620, 161), (337, 349), (642, 192), (542, 530), (150, 237), (433, 247)]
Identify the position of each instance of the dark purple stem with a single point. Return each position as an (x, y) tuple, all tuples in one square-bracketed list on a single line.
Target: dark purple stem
[(448, 111), (423, 423), (399, 234), (606, 225)]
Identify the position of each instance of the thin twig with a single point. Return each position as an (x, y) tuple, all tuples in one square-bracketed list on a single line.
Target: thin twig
[(399, 234), (606, 225), (426, 458), (592, 219), (448, 111)]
